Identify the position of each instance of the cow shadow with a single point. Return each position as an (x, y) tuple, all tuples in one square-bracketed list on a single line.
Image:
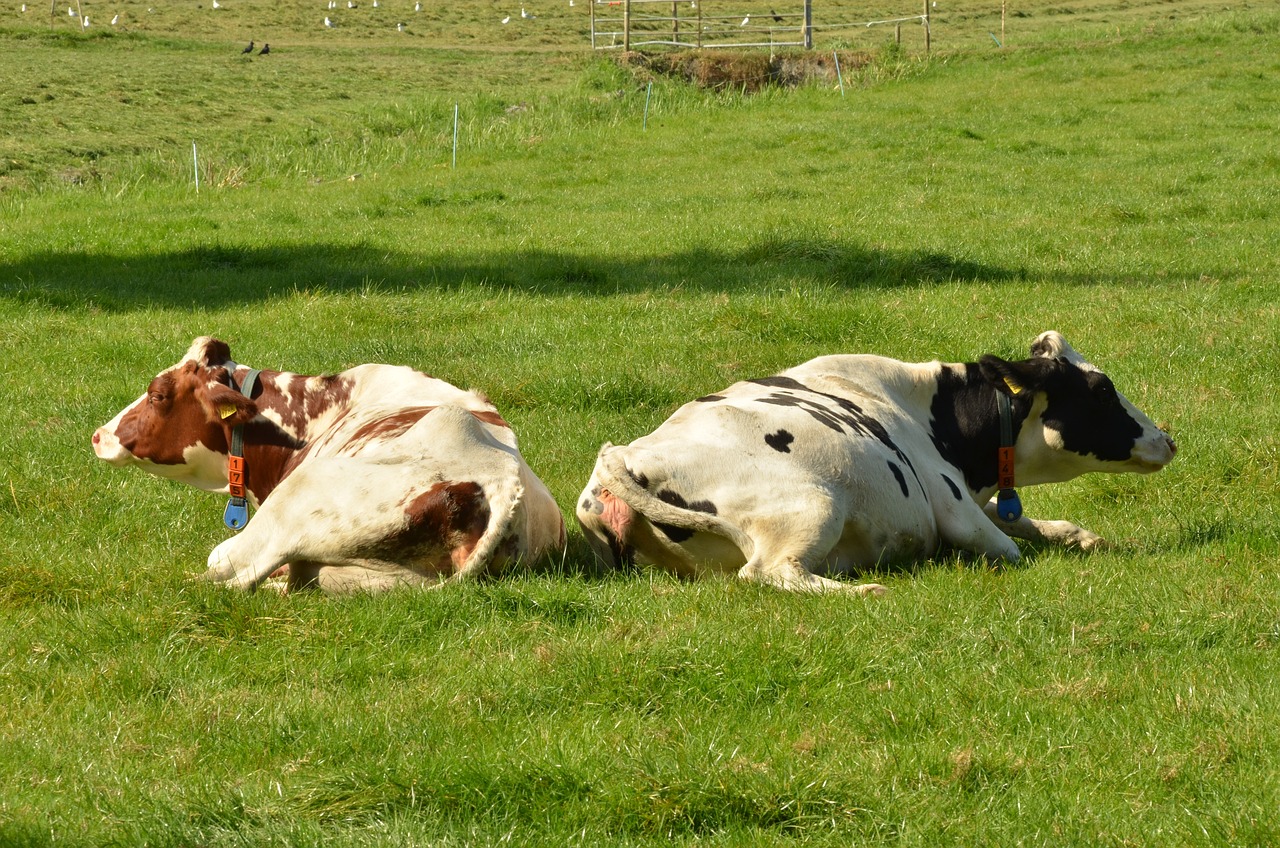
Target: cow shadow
[(215, 277)]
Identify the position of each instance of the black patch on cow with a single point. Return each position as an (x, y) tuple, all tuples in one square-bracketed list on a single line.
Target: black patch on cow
[(1084, 407), (673, 532), (780, 441), (955, 490), (832, 411), (1081, 405), (670, 497), (965, 422), (641, 480), (624, 556), (902, 481), (778, 381), (710, 398)]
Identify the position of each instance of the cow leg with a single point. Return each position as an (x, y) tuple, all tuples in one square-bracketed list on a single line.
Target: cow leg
[(784, 563), (963, 525), (243, 561), (789, 573), (1061, 533)]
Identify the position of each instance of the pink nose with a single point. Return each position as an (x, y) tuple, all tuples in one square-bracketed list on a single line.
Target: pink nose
[(97, 436)]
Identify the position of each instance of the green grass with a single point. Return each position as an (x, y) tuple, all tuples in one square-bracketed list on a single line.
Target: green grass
[(1112, 176)]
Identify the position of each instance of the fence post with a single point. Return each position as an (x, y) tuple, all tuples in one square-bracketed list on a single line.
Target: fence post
[(593, 25), (808, 24), (626, 26), (675, 22), (927, 33), (699, 25)]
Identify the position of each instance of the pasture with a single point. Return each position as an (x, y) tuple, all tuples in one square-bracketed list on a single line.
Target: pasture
[(1111, 173)]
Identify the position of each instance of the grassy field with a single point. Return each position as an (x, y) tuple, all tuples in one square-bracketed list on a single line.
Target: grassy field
[(1112, 173)]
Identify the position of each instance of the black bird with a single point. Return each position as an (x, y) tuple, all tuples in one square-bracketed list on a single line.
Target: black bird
[(248, 49), (776, 16), (266, 49)]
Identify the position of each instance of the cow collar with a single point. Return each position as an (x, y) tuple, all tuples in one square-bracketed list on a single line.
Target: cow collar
[(1008, 504), (236, 515)]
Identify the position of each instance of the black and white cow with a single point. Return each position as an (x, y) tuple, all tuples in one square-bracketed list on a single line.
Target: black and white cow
[(845, 462)]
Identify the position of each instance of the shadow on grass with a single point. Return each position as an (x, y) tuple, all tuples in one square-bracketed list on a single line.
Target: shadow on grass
[(213, 277)]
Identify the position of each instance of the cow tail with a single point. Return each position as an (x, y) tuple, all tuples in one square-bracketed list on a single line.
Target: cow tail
[(613, 474), (500, 541)]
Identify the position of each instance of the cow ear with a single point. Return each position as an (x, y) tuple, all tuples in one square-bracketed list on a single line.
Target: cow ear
[(227, 406), (1013, 378)]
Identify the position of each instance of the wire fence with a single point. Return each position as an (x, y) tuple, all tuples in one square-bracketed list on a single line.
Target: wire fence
[(634, 24)]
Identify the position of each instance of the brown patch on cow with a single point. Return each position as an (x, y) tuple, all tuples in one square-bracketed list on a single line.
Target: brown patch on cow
[(170, 419), (214, 352), (443, 525), (489, 417), (398, 423), (391, 426)]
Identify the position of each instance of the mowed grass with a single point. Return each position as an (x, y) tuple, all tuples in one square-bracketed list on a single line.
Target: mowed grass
[(591, 276)]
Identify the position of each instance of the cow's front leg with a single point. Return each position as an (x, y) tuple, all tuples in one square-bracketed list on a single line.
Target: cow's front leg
[(963, 525), (243, 561), (1061, 533)]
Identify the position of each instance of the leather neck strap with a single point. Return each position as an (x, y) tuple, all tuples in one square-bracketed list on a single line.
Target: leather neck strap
[(236, 515), (1008, 504)]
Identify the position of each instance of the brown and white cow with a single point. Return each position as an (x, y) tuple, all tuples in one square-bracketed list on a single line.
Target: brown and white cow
[(846, 462), (375, 477)]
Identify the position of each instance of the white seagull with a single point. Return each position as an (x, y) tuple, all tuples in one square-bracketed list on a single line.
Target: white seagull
[(115, 19), (71, 13), (86, 21), (507, 19), (351, 4), (327, 22), (216, 5), (399, 27), (526, 15), (745, 21), (417, 7)]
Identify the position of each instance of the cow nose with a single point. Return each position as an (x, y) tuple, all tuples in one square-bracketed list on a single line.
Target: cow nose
[(97, 436)]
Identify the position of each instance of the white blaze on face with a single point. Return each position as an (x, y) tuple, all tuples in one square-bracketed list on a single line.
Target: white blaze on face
[(105, 444)]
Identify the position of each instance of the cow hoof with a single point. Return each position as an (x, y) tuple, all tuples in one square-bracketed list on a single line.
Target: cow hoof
[(221, 569), (1091, 542), (870, 590)]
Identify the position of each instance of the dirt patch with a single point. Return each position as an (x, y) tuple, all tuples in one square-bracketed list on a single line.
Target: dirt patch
[(743, 70)]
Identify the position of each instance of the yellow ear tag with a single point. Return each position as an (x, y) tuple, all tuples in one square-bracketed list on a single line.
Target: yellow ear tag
[(226, 410), (1013, 387)]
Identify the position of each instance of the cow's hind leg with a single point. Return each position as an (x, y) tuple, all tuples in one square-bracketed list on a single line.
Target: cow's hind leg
[(790, 574), (787, 563)]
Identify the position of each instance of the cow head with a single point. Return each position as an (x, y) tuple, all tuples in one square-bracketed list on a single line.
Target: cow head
[(180, 428), (1078, 422)]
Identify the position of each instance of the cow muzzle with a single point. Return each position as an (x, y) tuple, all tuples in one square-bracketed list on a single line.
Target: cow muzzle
[(1154, 453), (108, 448)]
